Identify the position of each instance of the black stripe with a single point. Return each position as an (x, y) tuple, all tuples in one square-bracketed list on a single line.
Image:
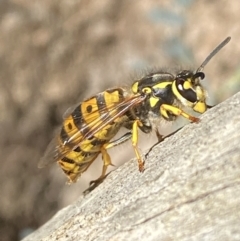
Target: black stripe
[(119, 90), (120, 93), (78, 149), (68, 160), (83, 154), (102, 107), (63, 135), (67, 172), (101, 103), (98, 142), (79, 121)]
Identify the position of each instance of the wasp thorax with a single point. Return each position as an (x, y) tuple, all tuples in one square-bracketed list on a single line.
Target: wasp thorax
[(152, 81)]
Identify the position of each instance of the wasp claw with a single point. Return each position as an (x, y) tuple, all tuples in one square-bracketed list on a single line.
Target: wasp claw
[(141, 166), (93, 184), (194, 119)]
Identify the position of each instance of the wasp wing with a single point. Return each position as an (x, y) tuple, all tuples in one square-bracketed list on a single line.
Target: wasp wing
[(113, 113), (95, 122)]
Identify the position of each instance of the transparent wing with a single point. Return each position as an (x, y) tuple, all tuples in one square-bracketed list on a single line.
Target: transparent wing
[(50, 154), (110, 114), (69, 111), (96, 122)]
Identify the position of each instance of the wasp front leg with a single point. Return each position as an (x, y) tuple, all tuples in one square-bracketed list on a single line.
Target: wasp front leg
[(166, 109), (160, 137)]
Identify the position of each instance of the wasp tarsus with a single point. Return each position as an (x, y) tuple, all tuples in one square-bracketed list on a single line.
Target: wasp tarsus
[(93, 184)]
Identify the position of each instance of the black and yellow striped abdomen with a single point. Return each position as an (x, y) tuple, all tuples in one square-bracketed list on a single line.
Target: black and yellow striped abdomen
[(80, 141)]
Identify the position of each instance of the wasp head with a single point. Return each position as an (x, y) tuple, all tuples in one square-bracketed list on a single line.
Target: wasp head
[(189, 91)]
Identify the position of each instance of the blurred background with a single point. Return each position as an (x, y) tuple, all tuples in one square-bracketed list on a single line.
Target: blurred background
[(55, 53)]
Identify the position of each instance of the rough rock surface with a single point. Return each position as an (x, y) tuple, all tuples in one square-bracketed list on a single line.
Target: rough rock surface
[(190, 190), (54, 54)]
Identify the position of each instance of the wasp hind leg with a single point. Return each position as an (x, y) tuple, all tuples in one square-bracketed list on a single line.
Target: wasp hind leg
[(107, 160)]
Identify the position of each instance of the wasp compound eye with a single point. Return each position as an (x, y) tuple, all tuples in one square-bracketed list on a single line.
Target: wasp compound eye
[(180, 84), (185, 89)]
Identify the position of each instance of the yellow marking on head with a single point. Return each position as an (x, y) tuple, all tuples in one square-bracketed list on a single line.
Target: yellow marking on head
[(200, 107), (187, 84), (175, 91), (201, 95)]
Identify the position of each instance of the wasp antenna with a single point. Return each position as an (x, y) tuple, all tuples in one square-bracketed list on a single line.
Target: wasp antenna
[(214, 52)]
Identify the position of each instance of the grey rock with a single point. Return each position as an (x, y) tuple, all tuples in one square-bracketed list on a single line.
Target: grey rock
[(190, 190)]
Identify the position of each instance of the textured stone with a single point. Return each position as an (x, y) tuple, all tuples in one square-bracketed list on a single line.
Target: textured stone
[(190, 190)]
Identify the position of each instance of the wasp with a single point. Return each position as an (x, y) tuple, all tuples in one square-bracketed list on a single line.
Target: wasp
[(89, 128)]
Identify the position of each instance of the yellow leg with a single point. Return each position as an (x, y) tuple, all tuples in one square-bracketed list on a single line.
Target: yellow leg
[(177, 112), (106, 162), (136, 124)]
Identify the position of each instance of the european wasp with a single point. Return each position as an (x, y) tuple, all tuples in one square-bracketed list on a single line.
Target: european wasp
[(89, 128)]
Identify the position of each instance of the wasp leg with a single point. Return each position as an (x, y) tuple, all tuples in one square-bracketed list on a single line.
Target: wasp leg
[(135, 127), (159, 136), (107, 160), (76, 170), (177, 112), (105, 156), (160, 139)]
